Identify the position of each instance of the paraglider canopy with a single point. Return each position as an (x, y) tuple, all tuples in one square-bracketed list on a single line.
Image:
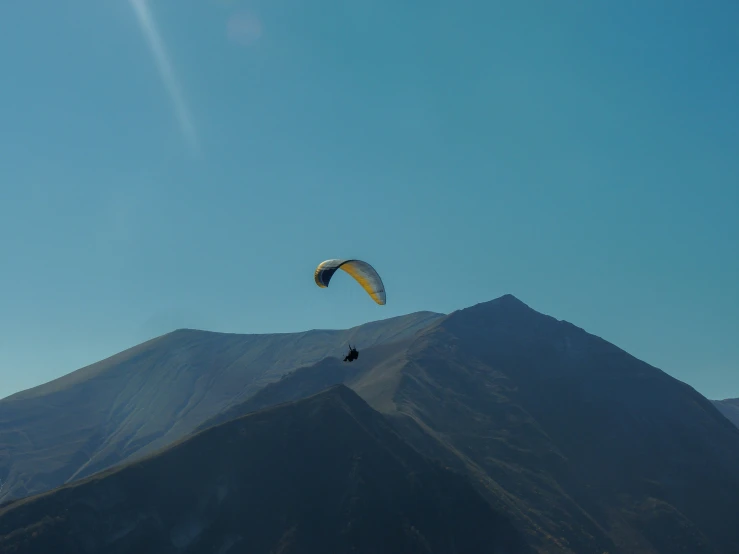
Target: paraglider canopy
[(362, 272)]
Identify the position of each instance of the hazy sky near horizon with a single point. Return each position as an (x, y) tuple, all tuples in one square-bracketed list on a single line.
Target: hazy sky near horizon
[(188, 164)]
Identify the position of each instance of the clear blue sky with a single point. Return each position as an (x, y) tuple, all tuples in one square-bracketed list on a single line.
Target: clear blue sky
[(188, 165)]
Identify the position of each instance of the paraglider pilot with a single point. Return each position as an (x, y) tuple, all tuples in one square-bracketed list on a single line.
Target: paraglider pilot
[(353, 354)]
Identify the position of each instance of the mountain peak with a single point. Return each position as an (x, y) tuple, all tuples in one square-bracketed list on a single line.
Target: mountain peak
[(507, 300), (506, 307)]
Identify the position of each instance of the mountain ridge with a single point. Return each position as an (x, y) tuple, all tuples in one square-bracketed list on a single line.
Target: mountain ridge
[(326, 473), (143, 398), (522, 399), (418, 316), (586, 447), (729, 407)]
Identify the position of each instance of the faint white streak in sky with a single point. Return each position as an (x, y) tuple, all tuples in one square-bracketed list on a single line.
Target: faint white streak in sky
[(148, 27)]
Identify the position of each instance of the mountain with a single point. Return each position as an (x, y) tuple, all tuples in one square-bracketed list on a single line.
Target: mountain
[(311, 379), (325, 474), (585, 447), (588, 448), (152, 395), (730, 409)]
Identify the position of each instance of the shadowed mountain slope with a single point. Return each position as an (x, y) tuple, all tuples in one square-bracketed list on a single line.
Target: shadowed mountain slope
[(153, 394), (730, 409), (589, 448), (325, 474), (312, 379)]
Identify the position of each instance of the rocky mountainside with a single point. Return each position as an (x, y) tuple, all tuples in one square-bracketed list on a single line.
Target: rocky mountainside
[(589, 448), (324, 474), (153, 394)]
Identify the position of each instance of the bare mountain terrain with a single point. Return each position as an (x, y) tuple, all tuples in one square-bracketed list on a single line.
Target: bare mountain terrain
[(324, 474), (153, 394), (730, 408), (588, 448), (584, 447)]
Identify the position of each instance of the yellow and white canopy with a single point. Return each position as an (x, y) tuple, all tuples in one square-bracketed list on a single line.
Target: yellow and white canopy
[(362, 272)]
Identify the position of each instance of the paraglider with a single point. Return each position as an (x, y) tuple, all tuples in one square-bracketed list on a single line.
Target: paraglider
[(353, 354), (363, 273)]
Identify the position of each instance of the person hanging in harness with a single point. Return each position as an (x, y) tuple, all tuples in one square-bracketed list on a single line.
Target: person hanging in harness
[(353, 354)]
